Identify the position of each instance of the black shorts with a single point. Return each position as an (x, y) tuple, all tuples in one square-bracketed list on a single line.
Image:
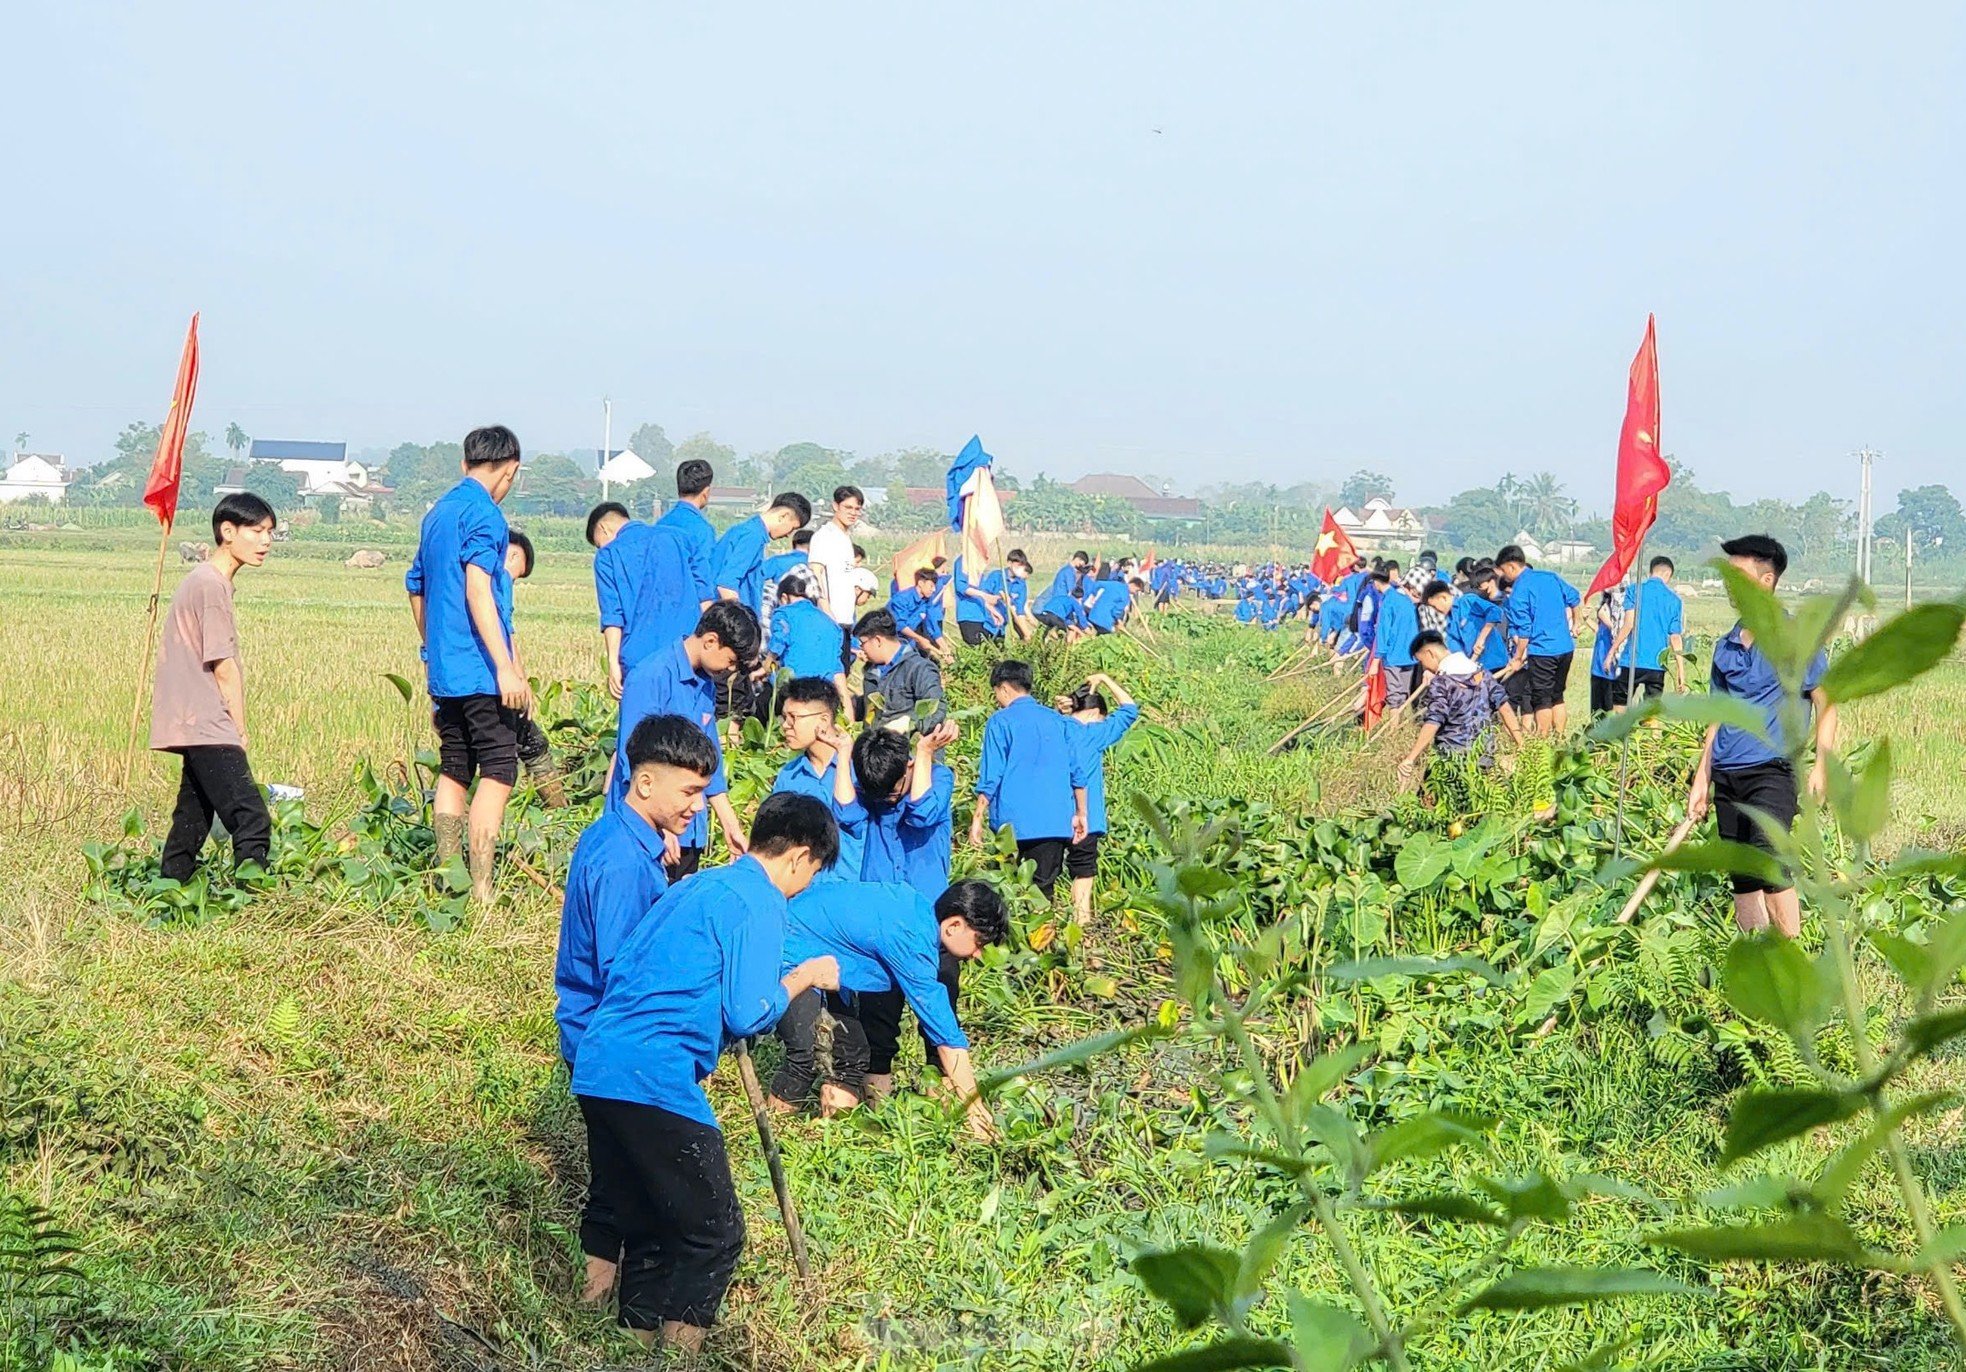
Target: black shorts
[(476, 736), (1604, 692), (1646, 681), (880, 1015), (1768, 787), (1049, 856), (798, 1030), (1516, 686), (1548, 677), (1163, 598), (1052, 621), (687, 861), (973, 633), (1082, 858)]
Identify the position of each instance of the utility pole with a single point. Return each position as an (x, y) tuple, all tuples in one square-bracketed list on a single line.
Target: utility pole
[(607, 441), (1865, 456), (1907, 566)]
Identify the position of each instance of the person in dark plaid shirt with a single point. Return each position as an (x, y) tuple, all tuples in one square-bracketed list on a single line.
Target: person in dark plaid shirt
[(1461, 706)]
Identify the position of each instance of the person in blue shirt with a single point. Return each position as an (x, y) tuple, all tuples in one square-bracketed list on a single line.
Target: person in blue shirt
[(702, 969), (683, 681), (1474, 626), (738, 558), (908, 796), (1331, 617), (1394, 628), (686, 520), (615, 879), (917, 611), (979, 605), (1094, 732), (1108, 603), (891, 940), (1015, 588), (1064, 612), (820, 766), (1745, 774), (1542, 624), (1604, 669), (1030, 776), (804, 639), (642, 586), (1365, 613), (777, 567), (1246, 609), (474, 681), (1070, 579), (1658, 623)]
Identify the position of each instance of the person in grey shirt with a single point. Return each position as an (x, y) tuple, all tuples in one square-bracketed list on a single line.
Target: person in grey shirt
[(900, 673)]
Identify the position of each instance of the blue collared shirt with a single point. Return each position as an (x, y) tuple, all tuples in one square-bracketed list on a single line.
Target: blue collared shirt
[(1538, 602), (1661, 614), (1107, 603), (700, 970), (739, 562), (463, 529), (910, 840), (883, 936), (1394, 628), (1471, 613), (1029, 769), (1092, 740), (642, 581), (664, 683), (699, 542), (1740, 670), (797, 777), (1331, 615), (911, 610), (970, 610), (1067, 581), (1067, 607), (805, 640), (615, 878)]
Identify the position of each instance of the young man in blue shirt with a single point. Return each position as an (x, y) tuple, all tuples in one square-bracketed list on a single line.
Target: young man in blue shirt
[(738, 559), (643, 586), (1604, 670), (1070, 579), (908, 796), (820, 766), (1094, 732), (1030, 776), (979, 604), (1393, 629), (1542, 624), (682, 680), (888, 939), (702, 969), (1475, 626), (685, 518), (1745, 776), (1108, 603), (474, 682), (1644, 637), (804, 639), (781, 565), (917, 611), (615, 879)]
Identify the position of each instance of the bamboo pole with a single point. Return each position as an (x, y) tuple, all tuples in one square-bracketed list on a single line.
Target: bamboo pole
[(788, 1209), (149, 646), (1651, 878), (1323, 714)]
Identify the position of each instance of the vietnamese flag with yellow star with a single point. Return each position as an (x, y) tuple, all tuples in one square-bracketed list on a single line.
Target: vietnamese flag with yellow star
[(1334, 554), (1642, 472)]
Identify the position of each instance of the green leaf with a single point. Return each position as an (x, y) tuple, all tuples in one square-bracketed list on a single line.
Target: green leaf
[(1909, 960), (1550, 989), (1366, 969), (1720, 855), (1905, 646), (1265, 1246), (1761, 615), (1601, 1357), (1863, 802), (1947, 950), (1070, 1055), (1534, 1197), (1222, 1355), (1701, 709), (1947, 1247), (1447, 1205), (1842, 1170), (1421, 861), (1194, 1281), (1792, 1238), (1424, 1135), (1220, 1145), (1318, 1077), (1340, 1137), (1538, 1288), (1928, 1032), (1762, 1119), (1770, 979), (402, 685), (1329, 1338)]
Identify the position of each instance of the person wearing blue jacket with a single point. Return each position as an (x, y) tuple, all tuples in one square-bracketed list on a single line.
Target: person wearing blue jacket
[(1643, 639), (820, 766), (980, 604), (909, 797), (1094, 732), (804, 639), (737, 561), (1070, 579), (888, 939), (616, 878), (1064, 612), (1030, 776), (1604, 668), (686, 520), (643, 587), (1107, 603), (702, 969), (1475, 625), (1542, 622), (1394, 628), (917, 611)]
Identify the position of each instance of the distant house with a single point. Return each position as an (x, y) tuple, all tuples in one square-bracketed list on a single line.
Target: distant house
[(323, 468), (1141, 496), (1379, 526), (1558, 552), (735, 498), (624, 468), (32, 474)]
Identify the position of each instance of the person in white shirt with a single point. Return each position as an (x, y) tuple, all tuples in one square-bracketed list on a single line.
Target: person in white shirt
[(831, 556)]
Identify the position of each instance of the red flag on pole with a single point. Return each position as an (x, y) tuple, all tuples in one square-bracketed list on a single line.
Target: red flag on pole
[(1375, 694), (1642, 473), (167, 469), (1334, 553)]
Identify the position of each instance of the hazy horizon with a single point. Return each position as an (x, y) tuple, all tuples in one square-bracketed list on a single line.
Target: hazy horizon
[(1202, 247)]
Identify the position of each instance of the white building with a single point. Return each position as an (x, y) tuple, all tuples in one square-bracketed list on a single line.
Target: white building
[(1560, 552), (32, 474), (1379, 526), (321, 467), (624, 467)]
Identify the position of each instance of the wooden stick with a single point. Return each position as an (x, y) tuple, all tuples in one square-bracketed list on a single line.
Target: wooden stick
[(149, 644), (1285, 666), (787, 1210), (1651, 878), (534, 875)]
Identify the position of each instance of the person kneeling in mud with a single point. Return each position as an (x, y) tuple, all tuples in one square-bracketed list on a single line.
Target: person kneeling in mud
[(883, 935), (1458, 716)]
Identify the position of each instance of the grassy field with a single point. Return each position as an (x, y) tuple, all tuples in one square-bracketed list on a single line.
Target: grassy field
[(308, 1135)]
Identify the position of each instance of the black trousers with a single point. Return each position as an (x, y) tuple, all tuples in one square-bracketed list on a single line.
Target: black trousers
[(799, 1032), (1049, 856), (217, 780), (880, 1015), (600, 1234), (682, 1228)]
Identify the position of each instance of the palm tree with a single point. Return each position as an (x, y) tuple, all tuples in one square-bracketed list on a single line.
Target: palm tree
[(1545, 507), (20, 441), (235, 438)]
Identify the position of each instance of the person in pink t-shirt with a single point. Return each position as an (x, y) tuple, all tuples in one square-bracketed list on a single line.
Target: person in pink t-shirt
[(198, 700)]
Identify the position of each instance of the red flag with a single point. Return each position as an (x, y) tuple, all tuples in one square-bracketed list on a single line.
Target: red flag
[(1375, 694), (1147, 562), (167, 469), (1334, 553), (1642, 473)]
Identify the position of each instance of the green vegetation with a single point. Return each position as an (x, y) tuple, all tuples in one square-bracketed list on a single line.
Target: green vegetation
[(1321, 1040)]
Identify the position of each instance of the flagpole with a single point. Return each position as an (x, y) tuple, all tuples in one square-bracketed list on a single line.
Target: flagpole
[(149, 644), (1631, 692)]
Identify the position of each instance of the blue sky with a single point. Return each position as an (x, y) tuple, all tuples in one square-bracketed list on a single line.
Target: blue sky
[(1200, 242)]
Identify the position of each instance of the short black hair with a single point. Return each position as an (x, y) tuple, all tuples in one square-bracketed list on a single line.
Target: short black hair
[(693, 477), (1759, 548), (242, 510), (492, 444), (876, 624), (807, 690), (1392, 565), (802, 538), (1081, 553), (859, 551), (1017, 555), (601, 512), (1661, 561), (977, 904), (880, 757), (735, 627), (1462, 566), (524, 545), (671, 741), (1088, 697), (796, 503), (841, 493), (1426, 638), (1481, 570), (1436, 587), (1011, 672), (1511, 552), (794, 586), (928, 572), (788, 820)]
